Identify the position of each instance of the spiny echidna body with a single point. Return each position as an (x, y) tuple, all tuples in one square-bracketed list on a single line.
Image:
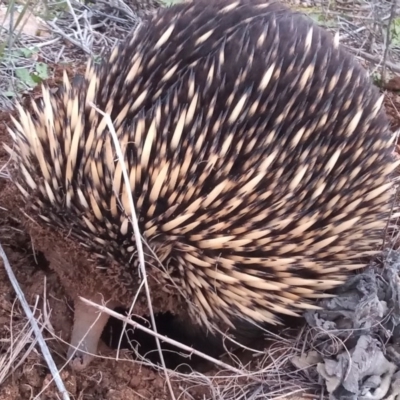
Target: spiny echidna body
[(258, 155)]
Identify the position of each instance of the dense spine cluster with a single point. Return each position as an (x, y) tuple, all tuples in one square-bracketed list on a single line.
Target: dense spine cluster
[(257, 150)]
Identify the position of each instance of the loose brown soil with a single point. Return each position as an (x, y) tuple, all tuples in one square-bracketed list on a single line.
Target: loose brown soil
[(105, 378)]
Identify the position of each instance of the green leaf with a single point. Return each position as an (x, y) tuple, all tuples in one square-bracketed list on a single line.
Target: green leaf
[(27, 53), (24, 76), (42, 70), (37, 79), (395, 32), (322, 19)]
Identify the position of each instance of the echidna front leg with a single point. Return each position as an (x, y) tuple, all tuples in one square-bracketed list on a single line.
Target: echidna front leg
[(88, 326)]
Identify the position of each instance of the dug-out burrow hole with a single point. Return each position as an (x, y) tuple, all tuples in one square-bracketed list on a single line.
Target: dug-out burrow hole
[(145, 344), (169, 326)]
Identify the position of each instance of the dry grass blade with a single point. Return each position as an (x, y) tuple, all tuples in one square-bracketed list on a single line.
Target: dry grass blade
[(46, 33), (16, 344), (35, 327), (138, 236), (369, 29)]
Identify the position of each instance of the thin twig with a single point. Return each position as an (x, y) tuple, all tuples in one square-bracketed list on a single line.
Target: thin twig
[(42, 343), (136, 229), (388, 40), (374, 59)]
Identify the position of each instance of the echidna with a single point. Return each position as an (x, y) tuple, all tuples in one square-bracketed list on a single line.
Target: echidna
[(259, 160)]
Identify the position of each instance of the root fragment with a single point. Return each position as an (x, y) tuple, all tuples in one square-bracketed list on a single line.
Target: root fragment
[(88, 327)]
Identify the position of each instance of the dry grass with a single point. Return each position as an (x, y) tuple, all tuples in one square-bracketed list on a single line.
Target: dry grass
[(363, 29), (70, 32), (51, 33)]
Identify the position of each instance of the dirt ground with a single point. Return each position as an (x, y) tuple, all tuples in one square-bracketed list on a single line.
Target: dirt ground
[(105, 378)]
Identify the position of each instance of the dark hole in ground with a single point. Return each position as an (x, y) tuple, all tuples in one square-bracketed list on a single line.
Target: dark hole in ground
[(181, 331), (41, 262), (167, 325)]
